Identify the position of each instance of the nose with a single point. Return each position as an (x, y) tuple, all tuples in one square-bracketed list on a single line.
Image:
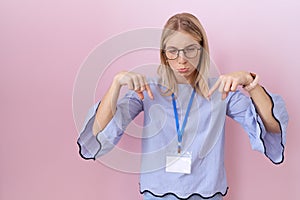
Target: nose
[(181, 57)]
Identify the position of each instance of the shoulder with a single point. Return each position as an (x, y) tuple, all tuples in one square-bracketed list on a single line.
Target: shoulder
[(155, 84)]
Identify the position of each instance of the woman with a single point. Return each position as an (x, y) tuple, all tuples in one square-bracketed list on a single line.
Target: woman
[(184, 117)]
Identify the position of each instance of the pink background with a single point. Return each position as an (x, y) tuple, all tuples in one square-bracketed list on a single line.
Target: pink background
[(42, 46)]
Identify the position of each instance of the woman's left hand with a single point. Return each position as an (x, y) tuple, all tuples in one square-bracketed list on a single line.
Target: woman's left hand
[(229, 83)]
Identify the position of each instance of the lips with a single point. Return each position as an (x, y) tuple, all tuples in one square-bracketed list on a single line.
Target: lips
[(183, 70)]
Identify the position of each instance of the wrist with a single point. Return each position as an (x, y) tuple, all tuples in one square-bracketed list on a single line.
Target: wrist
[(117, 80), (253, 83)]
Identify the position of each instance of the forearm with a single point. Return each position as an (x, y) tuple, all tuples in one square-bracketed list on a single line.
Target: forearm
[(107, 107), (263, 104), (261, 99)]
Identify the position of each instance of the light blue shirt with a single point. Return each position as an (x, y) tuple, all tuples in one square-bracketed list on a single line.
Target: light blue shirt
[(203, 138)]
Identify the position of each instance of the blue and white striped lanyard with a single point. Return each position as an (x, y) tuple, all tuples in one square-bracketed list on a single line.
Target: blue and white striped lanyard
[(181, 131)]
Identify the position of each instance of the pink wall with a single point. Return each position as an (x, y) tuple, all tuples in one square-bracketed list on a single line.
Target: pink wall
[(44, 43)]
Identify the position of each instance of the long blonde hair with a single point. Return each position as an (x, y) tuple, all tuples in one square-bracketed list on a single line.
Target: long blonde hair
[(187, 23)]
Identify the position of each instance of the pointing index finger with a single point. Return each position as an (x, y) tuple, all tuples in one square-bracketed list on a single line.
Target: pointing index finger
[(140, 94), (148, 89), (214, 87)]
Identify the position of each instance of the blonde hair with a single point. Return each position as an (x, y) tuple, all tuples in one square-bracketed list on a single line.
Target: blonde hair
[(186, 23)]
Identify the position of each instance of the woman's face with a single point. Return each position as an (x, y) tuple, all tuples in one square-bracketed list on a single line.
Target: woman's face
[(185, 64)]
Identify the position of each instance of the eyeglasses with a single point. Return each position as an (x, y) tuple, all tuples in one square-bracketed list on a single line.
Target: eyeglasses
[(189, 52)]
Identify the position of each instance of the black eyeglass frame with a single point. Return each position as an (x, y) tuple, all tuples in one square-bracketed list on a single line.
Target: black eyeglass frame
[(184, 53)]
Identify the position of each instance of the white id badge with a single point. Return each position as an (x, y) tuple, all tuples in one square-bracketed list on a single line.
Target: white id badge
[(179, 163)]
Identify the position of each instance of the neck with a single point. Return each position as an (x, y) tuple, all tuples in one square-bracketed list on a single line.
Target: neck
[(184, 80)]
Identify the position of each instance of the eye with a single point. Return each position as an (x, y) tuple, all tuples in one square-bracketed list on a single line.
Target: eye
[(190, 49), (172, 51)]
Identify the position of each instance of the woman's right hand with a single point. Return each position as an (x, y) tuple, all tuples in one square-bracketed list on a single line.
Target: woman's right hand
[(134, 81)]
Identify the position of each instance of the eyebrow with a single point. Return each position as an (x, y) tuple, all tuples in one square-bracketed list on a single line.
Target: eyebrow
[(184, 47)]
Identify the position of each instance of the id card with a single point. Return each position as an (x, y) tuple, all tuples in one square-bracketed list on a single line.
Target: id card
[(179, 163)]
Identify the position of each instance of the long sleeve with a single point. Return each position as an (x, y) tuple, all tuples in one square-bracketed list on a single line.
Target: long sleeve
[(243, 110), (91, 146)]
